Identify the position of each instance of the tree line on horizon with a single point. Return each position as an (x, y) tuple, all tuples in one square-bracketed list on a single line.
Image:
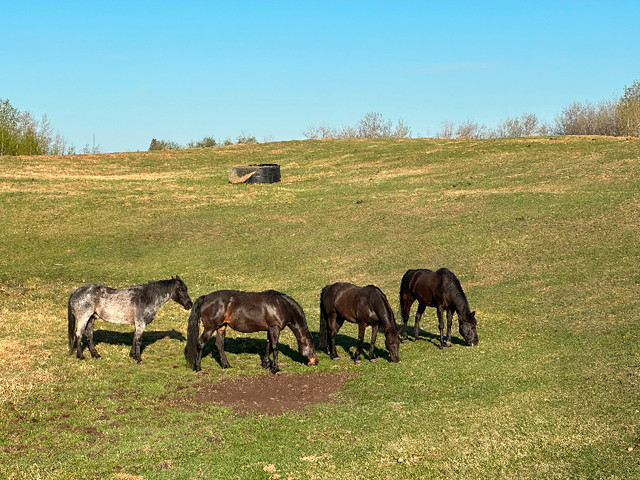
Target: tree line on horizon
[(22, 134), (618, 117)]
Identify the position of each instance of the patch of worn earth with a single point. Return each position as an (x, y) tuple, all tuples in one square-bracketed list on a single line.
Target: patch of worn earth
[(262, 394)]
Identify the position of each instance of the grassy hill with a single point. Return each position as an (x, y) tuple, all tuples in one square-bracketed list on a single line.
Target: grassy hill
[(542, 233)]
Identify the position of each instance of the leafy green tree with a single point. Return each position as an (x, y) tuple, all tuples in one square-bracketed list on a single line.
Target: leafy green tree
[(206, 142), (22, 134), (628, 111), (9, 116), (164, 145)]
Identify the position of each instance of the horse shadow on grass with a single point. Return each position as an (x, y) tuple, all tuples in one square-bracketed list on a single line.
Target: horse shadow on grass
[(433, 338), (126, 338), (349, 344), (250, 346)]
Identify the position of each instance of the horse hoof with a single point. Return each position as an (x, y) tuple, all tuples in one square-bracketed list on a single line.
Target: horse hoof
[(275, 370), (357, 362), (374, 359)]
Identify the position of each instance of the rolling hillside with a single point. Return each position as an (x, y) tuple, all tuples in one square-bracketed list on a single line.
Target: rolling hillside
[(543, 234)]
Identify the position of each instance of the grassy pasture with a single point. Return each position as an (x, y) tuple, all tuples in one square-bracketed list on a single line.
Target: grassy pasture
[(542, 232)]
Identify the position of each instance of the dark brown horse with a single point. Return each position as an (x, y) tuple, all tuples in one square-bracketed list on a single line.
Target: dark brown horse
[(362, 305), (135, 305), (440, 289), (247, 312)]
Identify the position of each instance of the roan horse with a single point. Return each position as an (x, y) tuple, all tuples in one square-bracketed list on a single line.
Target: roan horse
[(440, 289), (247, 312), (135, 305), (362, 305)]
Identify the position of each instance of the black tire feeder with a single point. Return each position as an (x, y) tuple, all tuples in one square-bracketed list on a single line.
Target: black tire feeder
[(262, 173)]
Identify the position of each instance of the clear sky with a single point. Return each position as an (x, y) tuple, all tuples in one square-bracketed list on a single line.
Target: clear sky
[(129, 71)]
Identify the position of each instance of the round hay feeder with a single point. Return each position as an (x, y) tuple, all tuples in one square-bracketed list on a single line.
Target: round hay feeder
[(262, 173)]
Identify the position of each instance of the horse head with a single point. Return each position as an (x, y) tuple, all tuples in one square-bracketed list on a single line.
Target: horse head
[(179, 293), (468, 329), (307, 350), (392, 342)]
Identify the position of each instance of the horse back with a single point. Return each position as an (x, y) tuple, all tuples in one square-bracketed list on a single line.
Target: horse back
[(341, 297), (110, 304), (424, 285), (245, 311), (356, 304)]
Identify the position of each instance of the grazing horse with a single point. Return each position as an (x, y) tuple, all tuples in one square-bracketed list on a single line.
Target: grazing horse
[(247, 312), (362, 305), (135, 305), (440, 289)]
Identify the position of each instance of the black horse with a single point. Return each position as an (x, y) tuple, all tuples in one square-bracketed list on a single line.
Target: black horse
[(247, 312), (135, 305), (362, 305), (440, 289)]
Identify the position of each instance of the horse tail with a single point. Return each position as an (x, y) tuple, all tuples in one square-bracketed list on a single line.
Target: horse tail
[(324, 330), (404, 286), (71, 331), (193, 332)]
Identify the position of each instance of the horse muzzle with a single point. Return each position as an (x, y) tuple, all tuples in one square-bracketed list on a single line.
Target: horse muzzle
[(188, 305)]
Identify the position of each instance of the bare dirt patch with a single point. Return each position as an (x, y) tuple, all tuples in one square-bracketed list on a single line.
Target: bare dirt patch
[(262, 394)]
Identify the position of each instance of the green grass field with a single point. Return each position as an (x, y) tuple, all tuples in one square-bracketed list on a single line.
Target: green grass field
[(543, 234)]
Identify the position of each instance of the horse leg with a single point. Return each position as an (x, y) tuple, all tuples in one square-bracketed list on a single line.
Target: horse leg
[(374, 334), (273, 334), (137, 340), (449, 323), (419, 312), (333, 327), (220, 335), (440, 311), (266, 361), (361, 328), (407, 301), (202, 341), (89, 333), (81, 326)]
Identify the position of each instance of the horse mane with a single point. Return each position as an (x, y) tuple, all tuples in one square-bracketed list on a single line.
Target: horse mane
[(386, 305), (451, 285), (146, 292)]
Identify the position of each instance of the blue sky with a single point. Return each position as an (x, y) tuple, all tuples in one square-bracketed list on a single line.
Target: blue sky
[(128, 71)]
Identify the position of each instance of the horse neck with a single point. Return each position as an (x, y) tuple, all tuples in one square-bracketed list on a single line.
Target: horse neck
[(159, 292), (386, 315), (462, 306), (299, 328)]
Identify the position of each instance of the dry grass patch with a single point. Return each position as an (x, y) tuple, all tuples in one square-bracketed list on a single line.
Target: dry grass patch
[(19, 373)]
